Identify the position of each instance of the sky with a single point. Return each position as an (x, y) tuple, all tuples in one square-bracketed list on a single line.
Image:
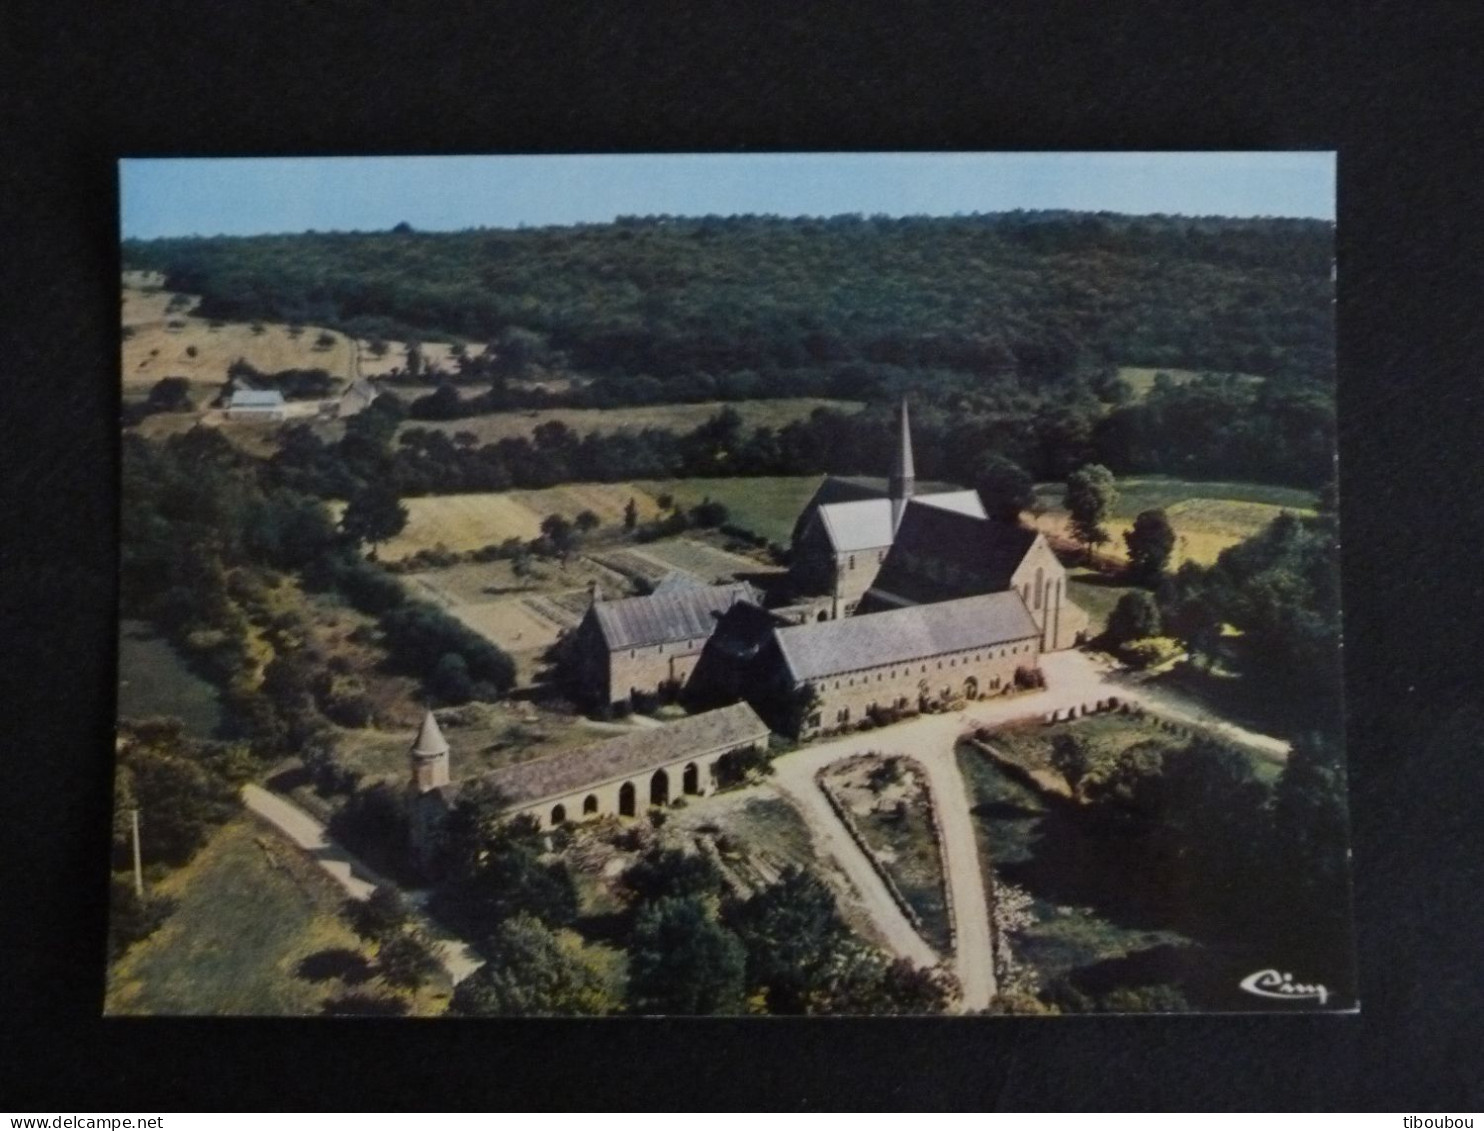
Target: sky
[(248, 196)]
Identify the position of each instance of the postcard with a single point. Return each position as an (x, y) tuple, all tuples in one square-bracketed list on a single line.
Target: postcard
[(763, 584)]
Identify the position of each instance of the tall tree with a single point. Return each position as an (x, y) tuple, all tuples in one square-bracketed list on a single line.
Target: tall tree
[(1091, 493), (374, 515), (682, 961), (533, 971), (1004, 487), (1151, 542)]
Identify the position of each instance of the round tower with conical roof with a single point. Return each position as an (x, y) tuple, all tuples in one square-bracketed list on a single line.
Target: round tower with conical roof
[(429, 757)]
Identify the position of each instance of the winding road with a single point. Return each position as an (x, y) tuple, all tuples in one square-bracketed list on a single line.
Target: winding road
[(356, 878)]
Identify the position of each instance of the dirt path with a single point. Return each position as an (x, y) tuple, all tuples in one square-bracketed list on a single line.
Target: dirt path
[(356, 878), (795, 777)]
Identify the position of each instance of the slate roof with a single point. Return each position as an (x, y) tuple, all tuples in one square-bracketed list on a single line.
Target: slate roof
[(637, 752), (867, 524), (985, 551), (256, 398), (814, 651), (682, 614), (430, 740)]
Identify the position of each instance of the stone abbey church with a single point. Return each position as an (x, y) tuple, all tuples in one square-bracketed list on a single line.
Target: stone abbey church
[(898, 602)]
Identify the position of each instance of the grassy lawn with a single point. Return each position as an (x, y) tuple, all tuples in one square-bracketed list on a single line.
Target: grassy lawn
[(1096, 595), (1207, 517), (155, 681), (894, 817), (250, 909)]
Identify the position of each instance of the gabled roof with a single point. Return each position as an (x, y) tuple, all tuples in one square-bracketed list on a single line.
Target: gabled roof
[(257, 398), (682, 614), (637, 752), (868, 524), (815, 651), (982, 554), (430, 740)]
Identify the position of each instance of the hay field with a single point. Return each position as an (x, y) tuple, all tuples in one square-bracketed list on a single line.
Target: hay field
[(158, 343), (468, 522), (437, 355), (1207, 517), (675, 417)]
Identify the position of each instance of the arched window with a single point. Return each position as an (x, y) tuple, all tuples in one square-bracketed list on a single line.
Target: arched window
[(558, 814), (590, 804), (690, 780), (626, 799)]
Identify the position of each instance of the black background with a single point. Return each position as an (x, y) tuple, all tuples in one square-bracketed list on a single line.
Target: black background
[(1391, 86)]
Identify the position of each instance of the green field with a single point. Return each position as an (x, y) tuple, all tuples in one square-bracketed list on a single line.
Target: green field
[(155, 681), (250, 909), (767, 506)]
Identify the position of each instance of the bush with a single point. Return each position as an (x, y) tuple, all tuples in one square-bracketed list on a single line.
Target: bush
[(1151, 651)]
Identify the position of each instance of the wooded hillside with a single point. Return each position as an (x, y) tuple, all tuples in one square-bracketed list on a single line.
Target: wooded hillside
[(850, 299)]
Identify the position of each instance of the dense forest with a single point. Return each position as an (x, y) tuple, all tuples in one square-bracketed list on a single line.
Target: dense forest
[(1037, 294)]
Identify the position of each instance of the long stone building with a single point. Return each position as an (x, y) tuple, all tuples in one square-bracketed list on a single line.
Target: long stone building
[(622, 776), (907, 659), (643, 645)]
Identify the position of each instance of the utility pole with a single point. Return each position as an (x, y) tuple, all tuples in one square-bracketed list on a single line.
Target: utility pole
[(138, 867)]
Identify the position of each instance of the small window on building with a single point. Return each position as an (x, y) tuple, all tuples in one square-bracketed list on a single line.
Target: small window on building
[(852, 561)]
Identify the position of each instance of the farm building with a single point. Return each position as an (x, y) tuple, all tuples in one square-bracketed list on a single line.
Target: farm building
[(902, 659), (842, 537), (622, 776), (255, 404), (641, 645)]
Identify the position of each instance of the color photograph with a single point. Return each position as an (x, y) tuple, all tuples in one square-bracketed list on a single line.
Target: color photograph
[(729, 584)]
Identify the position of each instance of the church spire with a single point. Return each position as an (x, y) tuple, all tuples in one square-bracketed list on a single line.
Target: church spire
[(903, 474)]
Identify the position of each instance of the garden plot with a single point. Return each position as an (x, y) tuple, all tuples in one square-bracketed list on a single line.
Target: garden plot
[(884, 799)]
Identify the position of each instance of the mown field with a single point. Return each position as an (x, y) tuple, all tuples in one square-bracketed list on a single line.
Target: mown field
[(497, 426), (1207, 517), (250, 908), (469, 522)]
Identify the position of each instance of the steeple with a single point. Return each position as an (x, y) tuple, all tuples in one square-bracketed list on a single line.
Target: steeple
[(903, 474), (429, 756)]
